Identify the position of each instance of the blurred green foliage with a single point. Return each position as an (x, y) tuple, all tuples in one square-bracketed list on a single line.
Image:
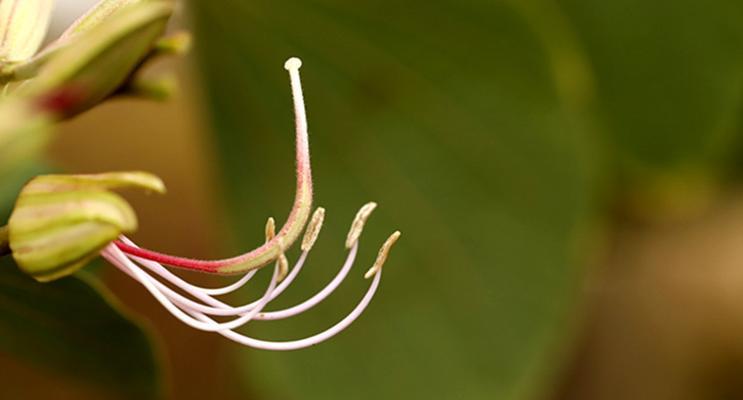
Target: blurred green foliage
[(669, 84), (74, 328), (449, 115)]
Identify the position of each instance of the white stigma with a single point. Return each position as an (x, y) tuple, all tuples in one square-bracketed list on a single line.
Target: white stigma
[(293, 63)]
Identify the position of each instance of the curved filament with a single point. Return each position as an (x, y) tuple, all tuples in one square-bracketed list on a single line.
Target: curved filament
[(194, 317)]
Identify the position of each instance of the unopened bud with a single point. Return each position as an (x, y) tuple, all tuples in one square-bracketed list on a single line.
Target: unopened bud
[(60, 222), (97, 61)]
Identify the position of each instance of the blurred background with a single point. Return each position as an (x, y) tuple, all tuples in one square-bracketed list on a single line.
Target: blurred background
[(566, 176)]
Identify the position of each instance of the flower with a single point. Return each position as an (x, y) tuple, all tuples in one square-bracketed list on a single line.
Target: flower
[(147, 266), (194, 305)]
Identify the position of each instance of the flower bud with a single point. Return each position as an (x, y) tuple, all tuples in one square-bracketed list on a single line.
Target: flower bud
[(96, 61), (60, 222), (23, 25)]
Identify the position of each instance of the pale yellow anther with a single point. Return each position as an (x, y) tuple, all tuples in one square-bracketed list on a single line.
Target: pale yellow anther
[(313, 229), (384, 251), (282, 260), (358, 223), (283, 263), (270, 229), (283, 267)]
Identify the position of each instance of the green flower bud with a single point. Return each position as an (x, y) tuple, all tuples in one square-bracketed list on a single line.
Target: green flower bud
[(23, 25), (99, 58), (60, 222)]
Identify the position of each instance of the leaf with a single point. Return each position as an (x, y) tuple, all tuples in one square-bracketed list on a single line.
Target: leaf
[(75, 328), (449, 114), (670, 83)]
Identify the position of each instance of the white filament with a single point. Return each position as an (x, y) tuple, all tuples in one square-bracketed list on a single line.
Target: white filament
[(121, 261), (191, 315), (175, 279)]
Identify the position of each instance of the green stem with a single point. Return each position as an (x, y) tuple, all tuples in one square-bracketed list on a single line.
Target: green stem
[(4, 241)]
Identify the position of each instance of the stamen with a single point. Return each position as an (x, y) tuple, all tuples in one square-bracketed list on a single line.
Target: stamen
[(283, 263), (221, 307), (196, 314), (121, 261), (270, 229), (131, 259), (309, 341), (218, 308), (317, 298), (295, 223), (203, 322), (358, 223), (313, 229), (176, 280), (382, 256)]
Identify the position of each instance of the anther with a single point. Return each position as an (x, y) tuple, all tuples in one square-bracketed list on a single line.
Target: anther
[(384, 251), (270, 229), (282, 260), (313, 229), (358, 223)]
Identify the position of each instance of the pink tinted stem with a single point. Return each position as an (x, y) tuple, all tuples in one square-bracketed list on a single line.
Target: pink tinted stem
[(291, 230)]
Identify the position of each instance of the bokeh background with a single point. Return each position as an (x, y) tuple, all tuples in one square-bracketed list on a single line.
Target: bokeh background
[(566, 176)]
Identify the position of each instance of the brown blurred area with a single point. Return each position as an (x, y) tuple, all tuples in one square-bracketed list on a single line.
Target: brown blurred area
[(665, 316)]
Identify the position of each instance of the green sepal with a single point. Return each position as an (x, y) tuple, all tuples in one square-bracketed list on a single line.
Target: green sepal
[(60, 222)]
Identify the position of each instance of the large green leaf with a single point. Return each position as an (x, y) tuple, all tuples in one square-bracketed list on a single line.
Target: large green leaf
[(73, 327), (669, 79), (449, 114)]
